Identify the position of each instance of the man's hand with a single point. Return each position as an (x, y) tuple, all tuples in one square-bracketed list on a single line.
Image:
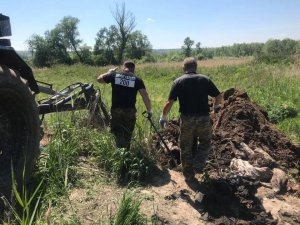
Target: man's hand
[(112, 70), (162, 121), (216, 108), (150, 113), (100, 77)]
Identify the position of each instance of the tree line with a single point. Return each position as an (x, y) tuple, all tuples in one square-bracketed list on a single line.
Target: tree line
[(62, 45), (285, 47)]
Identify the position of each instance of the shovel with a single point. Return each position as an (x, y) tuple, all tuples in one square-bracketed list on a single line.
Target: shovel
[(172, 162)]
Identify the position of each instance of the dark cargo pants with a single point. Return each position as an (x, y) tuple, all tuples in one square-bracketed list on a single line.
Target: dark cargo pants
[(122, 125), (192, 130)]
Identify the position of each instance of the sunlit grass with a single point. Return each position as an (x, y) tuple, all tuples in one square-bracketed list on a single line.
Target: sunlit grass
[(268, 85)]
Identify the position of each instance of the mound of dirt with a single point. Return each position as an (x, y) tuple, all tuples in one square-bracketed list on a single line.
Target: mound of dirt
[(246, 147), (242, 121)]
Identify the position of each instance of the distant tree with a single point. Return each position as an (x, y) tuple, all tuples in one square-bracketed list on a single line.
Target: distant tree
[(107, 44), (86, 54), (101, 41), (69, 30), (289, 46), (57, 46), (113, 43), (199, 52), (187, 47), (256, 48), (273, 47), (40, 51), (175, 57), (298, 47), (125, 25), (138, 45), (198, 48)]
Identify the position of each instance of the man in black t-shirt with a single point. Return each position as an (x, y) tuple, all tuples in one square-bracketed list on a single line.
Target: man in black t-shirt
[(192, 91), (125, 86)]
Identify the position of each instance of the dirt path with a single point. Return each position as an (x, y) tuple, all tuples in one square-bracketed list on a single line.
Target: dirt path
[(167, 199)]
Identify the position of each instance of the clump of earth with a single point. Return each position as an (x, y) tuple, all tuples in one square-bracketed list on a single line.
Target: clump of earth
[(248, 152)]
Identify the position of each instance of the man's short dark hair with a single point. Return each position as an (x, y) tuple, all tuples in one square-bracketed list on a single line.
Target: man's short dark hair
[(129, 65), (190, 64)]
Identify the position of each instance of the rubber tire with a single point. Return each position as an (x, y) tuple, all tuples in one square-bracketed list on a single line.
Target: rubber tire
[(19, 130)]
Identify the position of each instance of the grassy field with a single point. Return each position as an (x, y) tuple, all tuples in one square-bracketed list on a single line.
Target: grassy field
[(275, 87), (271, 86)]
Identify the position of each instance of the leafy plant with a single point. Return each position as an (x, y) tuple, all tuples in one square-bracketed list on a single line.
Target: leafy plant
[(274, 59), (129, 212), (27, 211), (279, 112), (58, 168), (126, 165), (130, 166)]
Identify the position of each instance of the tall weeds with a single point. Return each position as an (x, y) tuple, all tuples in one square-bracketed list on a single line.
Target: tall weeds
[(128, 212), (26, 211)]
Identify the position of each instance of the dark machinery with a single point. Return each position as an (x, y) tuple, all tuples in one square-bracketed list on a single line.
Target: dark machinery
[(20, 120)]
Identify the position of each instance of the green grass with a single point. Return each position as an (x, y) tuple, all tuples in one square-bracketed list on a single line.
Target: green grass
[(128, 212), (271, 86), (275, 88), (23, 207), (268, 85)]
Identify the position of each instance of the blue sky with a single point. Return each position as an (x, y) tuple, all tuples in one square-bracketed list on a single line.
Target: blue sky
[(165, 22)]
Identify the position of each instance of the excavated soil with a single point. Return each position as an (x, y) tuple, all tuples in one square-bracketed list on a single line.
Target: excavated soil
[(241, 130)]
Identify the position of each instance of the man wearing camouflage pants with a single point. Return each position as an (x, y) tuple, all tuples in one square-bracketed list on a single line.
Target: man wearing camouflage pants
[(125, 86), (192, 90)]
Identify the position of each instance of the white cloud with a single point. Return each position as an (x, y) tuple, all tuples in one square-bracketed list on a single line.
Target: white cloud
[(149, 20)]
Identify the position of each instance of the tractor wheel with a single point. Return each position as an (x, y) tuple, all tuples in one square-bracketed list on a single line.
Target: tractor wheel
[(19, 130)]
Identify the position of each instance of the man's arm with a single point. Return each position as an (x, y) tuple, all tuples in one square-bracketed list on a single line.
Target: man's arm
[(164, 116), (218, 99), (100, 78), (167, 107), (217, 103), (146, 99)]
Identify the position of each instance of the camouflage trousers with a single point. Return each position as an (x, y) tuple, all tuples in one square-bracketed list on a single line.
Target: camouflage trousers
[(122, 125), (195, 134)]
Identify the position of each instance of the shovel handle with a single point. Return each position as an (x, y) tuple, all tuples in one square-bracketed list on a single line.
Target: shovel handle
[(156, 131), (167, 151), (145, 114)]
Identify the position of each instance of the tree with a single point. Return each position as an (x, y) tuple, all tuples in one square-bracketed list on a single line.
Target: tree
[(86, 54), (113, 43), (138, 45), (208, 53), (187, 47), (68, 27), (107, 44), (298, 47), (289, 46), (199, 52), (198, 48), (40, 50), (57, 46), (273, 47), (125, 24)]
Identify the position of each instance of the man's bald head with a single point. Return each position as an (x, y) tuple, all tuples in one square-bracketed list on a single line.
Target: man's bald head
[(190, 65)]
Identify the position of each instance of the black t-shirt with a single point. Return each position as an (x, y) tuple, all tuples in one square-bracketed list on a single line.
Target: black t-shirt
[(193, 90), (124, 88)]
